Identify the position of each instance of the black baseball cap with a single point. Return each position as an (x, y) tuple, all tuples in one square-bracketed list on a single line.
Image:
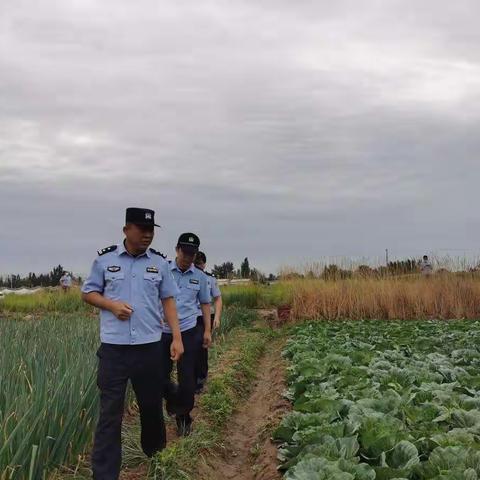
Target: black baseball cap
[(188, 242), (140, 216)]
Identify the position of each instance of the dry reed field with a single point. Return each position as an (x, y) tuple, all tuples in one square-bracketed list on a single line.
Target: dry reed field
[(444, 296)]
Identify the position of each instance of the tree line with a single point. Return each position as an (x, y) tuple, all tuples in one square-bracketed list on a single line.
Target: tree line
[(228, 270), (50, 279)]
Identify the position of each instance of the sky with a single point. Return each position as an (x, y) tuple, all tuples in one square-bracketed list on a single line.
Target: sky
[(283, 131)]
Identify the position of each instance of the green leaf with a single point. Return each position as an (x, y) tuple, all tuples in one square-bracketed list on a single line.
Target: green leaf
[(404, 456)]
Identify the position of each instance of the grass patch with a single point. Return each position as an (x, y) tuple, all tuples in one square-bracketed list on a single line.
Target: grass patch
[(247, 296), (257, 295), (46, 301), (217, 404), (235, 316)]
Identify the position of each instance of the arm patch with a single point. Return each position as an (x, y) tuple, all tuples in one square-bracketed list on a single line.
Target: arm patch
[(105, 250)]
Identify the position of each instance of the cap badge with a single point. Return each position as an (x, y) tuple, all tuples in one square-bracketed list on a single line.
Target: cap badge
[(190, 239), (148, 216)]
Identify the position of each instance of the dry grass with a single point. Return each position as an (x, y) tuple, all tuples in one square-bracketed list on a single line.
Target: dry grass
[(447, 296)]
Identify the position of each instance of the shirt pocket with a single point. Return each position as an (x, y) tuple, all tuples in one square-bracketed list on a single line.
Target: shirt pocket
[(192, 290), (151, 283), (113, 283)]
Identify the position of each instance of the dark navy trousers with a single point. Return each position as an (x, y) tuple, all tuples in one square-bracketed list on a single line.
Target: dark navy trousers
[(117, 364), (201, 366), (182, 400)]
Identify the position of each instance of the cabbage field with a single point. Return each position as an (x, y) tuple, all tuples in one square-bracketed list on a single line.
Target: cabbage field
[(383, 400)]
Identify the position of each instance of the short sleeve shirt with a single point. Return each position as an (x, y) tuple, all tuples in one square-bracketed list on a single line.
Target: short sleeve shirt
[(142, 282), (193, 290), (214, 290)]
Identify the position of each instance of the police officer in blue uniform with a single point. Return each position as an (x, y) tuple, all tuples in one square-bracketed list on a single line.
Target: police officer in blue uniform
[(217, 305), (127, 283), (194, 290)]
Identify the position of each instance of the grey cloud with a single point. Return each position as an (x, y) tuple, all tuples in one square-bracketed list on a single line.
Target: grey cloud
[(280, 130)]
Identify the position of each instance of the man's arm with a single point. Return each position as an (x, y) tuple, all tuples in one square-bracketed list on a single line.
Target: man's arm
[(218, 302), (121, 310), (207, 336), (92, 293), (170, 312)]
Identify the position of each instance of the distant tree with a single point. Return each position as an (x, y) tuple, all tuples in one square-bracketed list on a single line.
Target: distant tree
[(365, 271), (403, 267), (334, 272), (245, 268), (258, 276), (50, 279), (55, 275), (225, 270)]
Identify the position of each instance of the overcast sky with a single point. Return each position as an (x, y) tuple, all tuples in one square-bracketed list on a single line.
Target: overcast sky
[(285, 131)]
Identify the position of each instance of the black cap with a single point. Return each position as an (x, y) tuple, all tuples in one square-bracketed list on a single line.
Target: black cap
[(189, 242), (140, 216)]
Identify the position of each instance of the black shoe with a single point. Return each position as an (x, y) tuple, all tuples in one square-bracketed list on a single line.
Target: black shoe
[(184, 425)]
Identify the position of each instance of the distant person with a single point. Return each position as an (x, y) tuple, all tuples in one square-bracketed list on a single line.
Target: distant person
[(127, 283), (426, 266), (66, 281), (194, 291), (216, 294)]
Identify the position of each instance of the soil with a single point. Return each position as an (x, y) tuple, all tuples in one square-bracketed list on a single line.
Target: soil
[(248, 453)]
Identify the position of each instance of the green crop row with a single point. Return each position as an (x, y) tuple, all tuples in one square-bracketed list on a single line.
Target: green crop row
[(383, 400), (48, 393), (48, 397)]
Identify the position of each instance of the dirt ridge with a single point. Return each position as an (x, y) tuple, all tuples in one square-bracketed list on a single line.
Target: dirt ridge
[(248, 453)]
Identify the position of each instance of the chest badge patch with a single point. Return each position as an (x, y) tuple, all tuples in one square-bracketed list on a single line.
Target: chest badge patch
[(194, 281), (114, 268), (152, 269)]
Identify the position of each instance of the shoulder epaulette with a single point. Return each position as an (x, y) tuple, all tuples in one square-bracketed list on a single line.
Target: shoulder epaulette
[(210, 274), (156, 252), (105, 250)]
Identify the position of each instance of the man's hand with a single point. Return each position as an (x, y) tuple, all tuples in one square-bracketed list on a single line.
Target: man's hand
[(207, 340), (121, 310), (176, 349), (216, 322)]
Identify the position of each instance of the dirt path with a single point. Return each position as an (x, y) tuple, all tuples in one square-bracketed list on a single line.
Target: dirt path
[(248, 453)]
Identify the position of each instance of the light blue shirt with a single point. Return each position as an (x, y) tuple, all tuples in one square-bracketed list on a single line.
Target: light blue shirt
[(141, 282), (214, 290), (194, 289)]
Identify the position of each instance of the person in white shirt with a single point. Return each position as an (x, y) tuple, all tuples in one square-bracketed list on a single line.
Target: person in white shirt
[(66, 281), (426, 266)]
